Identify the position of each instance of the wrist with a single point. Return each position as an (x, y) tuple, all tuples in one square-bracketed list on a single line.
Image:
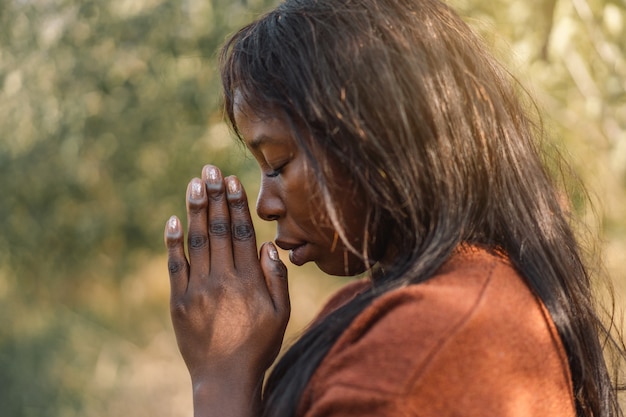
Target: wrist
[(226, 396)]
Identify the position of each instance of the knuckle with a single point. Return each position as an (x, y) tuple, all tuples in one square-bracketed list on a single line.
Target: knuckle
[(238, 204), (198, 241), (197, 206), (179, 309), (243, 231), (191, 307), (175, 266), (219, 228), (216, 195)]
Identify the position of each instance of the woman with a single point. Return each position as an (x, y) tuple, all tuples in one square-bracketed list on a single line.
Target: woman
[(390, 143)]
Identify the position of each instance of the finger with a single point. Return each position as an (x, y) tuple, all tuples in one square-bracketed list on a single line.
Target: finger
[(242, 229), (176, 260), (197, 238), (219, 220), (275, 273)]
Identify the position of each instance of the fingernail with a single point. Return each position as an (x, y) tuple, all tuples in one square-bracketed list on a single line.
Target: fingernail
[(212, 174), (234, 187), (197, 189), (271, 250), (173, 226)]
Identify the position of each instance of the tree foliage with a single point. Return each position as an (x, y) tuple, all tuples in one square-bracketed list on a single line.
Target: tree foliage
[(571, 55), (106, 111), (108, 107)]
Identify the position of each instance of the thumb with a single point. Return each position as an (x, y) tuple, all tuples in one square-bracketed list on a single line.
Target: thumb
[(275, 273)]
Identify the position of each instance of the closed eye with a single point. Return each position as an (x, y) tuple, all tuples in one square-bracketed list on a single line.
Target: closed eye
[(276, 172)]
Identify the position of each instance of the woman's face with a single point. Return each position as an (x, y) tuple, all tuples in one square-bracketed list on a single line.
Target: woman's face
[(289, 195)]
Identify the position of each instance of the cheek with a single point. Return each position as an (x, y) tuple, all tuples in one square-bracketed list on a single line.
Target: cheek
[(353, 208), (304, 200)]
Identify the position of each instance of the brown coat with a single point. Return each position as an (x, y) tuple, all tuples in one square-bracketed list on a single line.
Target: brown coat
[(471, 341)]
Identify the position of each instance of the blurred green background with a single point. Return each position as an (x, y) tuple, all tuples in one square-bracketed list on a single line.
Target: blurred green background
[(108, 107)]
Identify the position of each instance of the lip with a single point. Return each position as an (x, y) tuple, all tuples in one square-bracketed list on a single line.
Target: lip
[(297, 254), (286, 245)]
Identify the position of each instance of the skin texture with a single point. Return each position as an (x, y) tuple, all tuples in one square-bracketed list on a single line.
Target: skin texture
[(229, 305), (289, 195), (404, 119)]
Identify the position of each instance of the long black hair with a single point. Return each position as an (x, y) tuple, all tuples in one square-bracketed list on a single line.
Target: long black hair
[(432, 132)]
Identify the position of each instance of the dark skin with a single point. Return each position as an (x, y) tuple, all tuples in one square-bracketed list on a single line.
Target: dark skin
[(230, 303)]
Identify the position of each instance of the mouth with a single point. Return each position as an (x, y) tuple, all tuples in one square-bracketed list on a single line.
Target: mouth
[(296, 251)]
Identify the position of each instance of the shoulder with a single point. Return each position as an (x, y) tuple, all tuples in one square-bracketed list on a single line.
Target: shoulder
[(472, 339), (343, 296)]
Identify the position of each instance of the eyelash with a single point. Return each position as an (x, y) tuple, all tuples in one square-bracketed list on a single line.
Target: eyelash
[(275, 172)]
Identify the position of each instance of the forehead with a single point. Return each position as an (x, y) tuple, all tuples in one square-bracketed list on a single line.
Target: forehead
[(257, 128)]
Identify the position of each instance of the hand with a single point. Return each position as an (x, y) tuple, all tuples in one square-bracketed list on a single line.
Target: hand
[(229, 305)]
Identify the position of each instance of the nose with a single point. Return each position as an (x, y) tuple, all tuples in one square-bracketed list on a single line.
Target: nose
[(269, 205)]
